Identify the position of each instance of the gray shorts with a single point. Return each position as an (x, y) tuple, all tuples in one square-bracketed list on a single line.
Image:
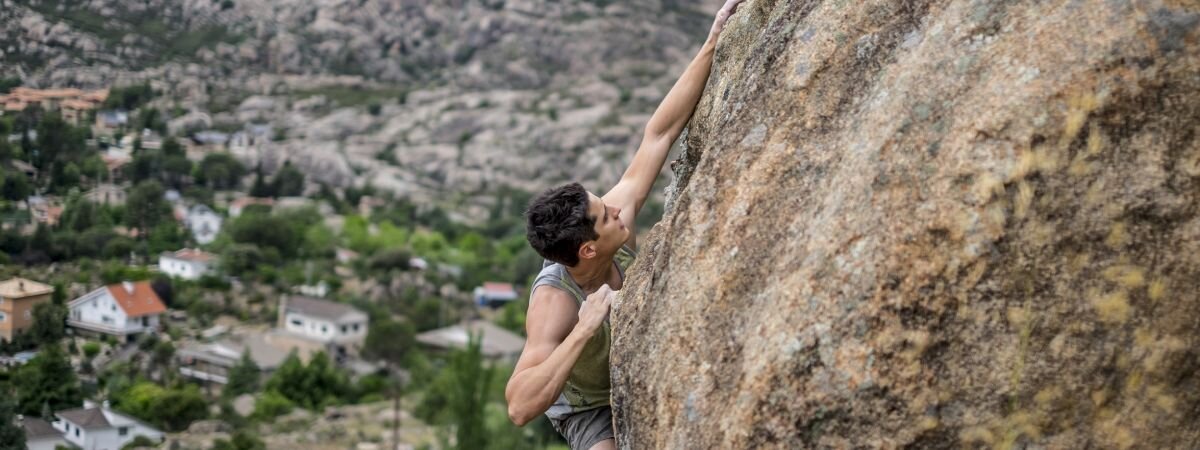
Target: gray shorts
[(587, 428)]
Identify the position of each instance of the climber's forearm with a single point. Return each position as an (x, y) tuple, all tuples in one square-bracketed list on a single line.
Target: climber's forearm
[(677, 107), (664, 128), (533, 390)]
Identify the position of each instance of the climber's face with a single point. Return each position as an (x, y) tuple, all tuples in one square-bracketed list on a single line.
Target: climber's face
[(610, 230)]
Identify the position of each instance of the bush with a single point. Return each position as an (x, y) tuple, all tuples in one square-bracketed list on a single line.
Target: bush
[(170, 409), (91, 349), (271, 405), (140, 441)]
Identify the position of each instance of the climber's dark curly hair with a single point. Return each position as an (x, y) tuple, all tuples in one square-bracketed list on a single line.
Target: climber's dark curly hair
[(557, 223)]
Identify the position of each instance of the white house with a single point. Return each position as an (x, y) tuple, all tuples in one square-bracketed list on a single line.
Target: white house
[(494, 294), (341, 327), (189, 264), (41, 435), (123, 310), (495, 342), (100, 428), (203, 222)]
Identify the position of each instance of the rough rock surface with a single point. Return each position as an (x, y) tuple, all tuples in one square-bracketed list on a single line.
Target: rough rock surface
[(928, 224)]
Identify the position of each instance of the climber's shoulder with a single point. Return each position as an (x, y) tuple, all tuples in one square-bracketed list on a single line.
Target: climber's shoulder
[(552, 313), (551, 316)]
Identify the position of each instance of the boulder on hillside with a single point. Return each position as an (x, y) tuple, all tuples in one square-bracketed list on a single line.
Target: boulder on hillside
[(928, 224)]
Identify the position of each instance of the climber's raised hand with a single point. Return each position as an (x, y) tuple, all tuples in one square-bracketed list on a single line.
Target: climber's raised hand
[(727, 10), (595, 309)]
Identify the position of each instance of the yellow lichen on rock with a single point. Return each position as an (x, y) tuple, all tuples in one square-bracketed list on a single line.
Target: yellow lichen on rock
[(1113, 307), (1127, 276)]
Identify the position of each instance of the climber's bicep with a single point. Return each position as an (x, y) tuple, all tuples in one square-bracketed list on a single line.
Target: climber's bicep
[(551, 317)]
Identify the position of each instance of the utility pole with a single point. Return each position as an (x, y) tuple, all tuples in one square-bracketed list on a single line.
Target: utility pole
[(398, 388)]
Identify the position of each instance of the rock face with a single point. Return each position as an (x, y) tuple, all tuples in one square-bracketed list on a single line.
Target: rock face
[(928, 224)]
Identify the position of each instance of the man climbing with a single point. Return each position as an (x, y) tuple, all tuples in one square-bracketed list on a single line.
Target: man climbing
[(588, 242)]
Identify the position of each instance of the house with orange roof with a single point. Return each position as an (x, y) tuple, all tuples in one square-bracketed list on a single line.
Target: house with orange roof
[(74, 103), (123, 310)]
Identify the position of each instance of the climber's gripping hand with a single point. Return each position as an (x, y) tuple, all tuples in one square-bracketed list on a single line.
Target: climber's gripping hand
[(595, 309), (727, 10)]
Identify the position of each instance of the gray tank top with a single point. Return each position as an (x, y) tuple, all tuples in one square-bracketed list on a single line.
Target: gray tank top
[(588, 385)]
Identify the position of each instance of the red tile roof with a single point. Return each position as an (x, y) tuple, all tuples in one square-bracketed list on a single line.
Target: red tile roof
[(191, 254), (142, 301), (498, 288)]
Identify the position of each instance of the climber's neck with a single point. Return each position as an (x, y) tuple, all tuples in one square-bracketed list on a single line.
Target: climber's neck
[(593, 273)]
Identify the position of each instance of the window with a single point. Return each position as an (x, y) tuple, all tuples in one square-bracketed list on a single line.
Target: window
[(324, 329), (345, 329), (297, 322), (122, 431), (113, 306), (28, 314), (76, 431), (2, 317), (356, 327)]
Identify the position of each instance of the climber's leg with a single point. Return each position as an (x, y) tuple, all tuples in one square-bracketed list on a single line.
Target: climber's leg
[(587, 430)]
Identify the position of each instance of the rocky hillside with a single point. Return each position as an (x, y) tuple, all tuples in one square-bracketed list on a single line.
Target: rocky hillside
[(928, 224), (472, 95)]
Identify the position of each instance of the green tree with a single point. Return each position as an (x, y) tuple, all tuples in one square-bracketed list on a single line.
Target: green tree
[(260, 188), (80, 214), (7, 84), (47, 379), (49, 323), (145, 207), (129, 97), (271, 405), (469, 401), (313, 386), (151, 119), (241, 440), (240, 259), (16, 187), (11, 434), (459, 395), (288, 181), (170, 409), (57, 141), (163, 352), (220, 171), (243, 378), (390, 341), (176, 167), (265, 230)]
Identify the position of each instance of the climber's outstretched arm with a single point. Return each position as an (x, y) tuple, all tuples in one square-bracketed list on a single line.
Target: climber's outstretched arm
[(557, 330), (665, 125)]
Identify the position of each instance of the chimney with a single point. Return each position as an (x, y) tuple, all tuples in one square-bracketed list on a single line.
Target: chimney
[(88, 404), (21, 285), (283, 301), (128, 286), (104, 404)]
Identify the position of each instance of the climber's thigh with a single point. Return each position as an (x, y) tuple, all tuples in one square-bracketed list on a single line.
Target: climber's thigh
[(587, 430)]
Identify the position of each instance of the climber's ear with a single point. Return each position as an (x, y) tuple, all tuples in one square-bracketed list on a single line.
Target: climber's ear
[(587, 250)]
